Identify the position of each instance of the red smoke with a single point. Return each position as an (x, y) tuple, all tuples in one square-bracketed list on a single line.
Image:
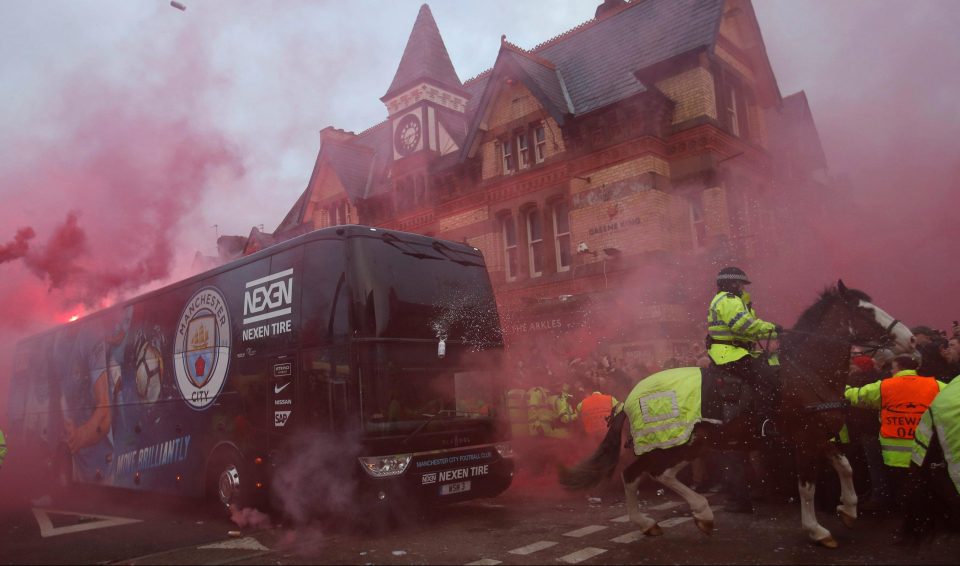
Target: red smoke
[(103, 204), (18, 247)]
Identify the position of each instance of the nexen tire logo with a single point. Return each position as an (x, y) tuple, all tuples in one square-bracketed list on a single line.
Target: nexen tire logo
[(268, 297)]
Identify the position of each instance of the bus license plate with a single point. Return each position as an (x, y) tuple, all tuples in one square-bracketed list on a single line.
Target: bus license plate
[(451, 488)]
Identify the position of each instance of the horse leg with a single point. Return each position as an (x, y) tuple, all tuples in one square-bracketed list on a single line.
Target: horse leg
[(702, 513), (848, 494), (632, 476), (806, 482)]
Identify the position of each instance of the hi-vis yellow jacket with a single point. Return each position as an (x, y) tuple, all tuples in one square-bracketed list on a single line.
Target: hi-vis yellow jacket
[(733, 328), (942, 419)]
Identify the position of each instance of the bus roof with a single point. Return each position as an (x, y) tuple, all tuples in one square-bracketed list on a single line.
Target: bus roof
[(334, 232)]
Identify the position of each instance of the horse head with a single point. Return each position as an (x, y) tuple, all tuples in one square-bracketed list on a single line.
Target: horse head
[(869, 325)]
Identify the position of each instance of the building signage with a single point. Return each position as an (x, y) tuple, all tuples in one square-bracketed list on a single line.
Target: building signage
[(614, 226)]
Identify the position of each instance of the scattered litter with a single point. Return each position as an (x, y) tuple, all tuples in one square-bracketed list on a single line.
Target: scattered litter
[(364, 553), (594, 500), (233, 533), (399, 552), (660, 492)]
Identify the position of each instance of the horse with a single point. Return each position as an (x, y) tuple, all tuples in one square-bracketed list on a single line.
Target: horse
[(814, 364)]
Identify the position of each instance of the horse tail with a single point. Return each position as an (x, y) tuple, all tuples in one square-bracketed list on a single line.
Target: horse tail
[(599, 465)]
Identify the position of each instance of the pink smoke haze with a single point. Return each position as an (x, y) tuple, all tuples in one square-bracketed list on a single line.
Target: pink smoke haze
[(103, 206)]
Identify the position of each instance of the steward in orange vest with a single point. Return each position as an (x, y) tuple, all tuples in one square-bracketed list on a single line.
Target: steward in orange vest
[(594, 410), (902, 399)]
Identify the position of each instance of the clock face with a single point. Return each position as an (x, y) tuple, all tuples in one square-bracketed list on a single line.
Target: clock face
[(406, 138)]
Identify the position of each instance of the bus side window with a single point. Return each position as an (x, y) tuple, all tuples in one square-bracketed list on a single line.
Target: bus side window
[(323, 268)]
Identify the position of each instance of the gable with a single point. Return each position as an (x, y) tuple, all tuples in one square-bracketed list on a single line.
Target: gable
[(740, 45)]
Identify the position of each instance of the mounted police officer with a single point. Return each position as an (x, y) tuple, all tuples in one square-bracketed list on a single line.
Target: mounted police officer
[(733, 331)]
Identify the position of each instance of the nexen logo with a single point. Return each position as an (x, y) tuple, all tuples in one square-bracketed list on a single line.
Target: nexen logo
[(273, 294)]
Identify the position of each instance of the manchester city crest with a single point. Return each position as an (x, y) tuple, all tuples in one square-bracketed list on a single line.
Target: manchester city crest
[(201, 354)]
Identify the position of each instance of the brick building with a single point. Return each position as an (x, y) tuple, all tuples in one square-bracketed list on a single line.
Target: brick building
[(606, 174)]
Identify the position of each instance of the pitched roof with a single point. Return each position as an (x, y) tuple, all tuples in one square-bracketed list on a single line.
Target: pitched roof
[(424, 58), (598, 59)]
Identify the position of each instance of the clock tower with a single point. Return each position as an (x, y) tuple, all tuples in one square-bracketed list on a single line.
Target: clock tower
[(426, 101)]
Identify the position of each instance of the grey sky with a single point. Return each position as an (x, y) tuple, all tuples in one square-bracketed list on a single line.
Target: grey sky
[(266, 76)]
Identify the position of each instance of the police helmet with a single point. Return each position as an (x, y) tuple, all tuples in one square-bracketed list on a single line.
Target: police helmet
[(732, 274)]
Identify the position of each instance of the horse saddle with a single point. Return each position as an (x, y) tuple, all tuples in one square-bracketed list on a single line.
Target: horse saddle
[(724, 396)]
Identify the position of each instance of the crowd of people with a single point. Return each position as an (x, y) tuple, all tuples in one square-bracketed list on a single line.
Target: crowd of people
[(888, 397)]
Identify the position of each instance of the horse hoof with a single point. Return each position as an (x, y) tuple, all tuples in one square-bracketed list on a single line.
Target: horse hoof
[(654, 531), (706, 527), (848, 520), (828, 542)]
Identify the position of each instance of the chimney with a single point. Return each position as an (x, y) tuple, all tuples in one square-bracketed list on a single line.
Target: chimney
[(607, 8), (333, 134)]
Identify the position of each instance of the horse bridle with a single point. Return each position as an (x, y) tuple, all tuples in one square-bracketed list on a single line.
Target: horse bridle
[(870, 349)]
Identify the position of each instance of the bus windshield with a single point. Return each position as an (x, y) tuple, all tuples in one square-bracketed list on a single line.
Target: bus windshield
[(404, 385), (413, 288)]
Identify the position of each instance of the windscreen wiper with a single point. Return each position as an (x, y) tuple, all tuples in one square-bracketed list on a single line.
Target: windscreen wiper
[(394, 241), (440, 247)]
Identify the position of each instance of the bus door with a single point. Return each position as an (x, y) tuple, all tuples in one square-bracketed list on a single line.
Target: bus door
[(283, 393), (326, 394)]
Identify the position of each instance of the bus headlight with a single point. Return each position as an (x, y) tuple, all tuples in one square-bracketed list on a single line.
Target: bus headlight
[(505, 450), (385, 466)]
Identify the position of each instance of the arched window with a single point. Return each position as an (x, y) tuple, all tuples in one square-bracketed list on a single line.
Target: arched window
[(561, 233), (511, 262), (534, 241)]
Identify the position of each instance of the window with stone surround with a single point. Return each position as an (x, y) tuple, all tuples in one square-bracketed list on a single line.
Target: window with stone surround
[(736, 99), (523, 150), (534, 240), (540, 139), (506, 154), (511, 260), (561, 233), (698, 226)]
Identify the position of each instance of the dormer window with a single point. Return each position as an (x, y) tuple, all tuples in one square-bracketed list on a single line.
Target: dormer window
[(506, 152), (540, 138), (732, 112), (523, 149)]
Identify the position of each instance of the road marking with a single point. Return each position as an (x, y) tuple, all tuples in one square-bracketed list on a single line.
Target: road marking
[(531, 548), (588, 530), (620, 519), (581, 555), (665, 506), (674, 521), (246, 543), (484, 562), (632, 536), (48, 530)]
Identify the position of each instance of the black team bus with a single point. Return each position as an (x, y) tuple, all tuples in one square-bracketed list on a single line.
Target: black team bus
[(373, 349)]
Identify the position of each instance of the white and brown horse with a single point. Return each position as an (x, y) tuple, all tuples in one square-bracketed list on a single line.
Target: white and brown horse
[(815, 359)]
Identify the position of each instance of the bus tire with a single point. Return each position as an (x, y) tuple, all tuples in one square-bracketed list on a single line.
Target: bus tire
[(227, 482)]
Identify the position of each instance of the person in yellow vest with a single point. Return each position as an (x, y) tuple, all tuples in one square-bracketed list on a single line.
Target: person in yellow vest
[(902, 399), (539, 412), (563, 413), (934, 488), (733, 333), (594, 412), (3, 448)]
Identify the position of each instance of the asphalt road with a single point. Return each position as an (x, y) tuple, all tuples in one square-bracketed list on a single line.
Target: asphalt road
[(526, 525)]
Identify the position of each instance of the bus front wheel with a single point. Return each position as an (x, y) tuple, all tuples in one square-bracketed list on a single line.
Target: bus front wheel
[(227, 483)]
